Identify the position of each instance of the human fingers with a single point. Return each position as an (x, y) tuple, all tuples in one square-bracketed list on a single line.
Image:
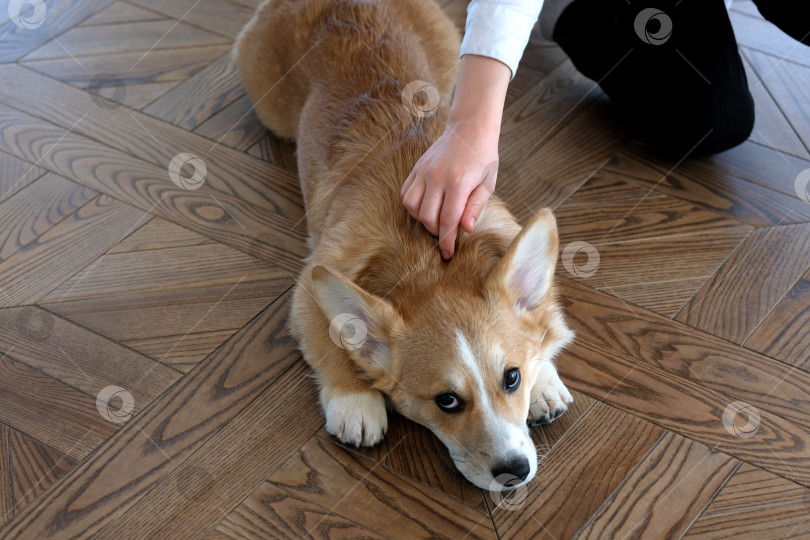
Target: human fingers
[(412, 199), (429, 210), (475, 204), (449, 216)]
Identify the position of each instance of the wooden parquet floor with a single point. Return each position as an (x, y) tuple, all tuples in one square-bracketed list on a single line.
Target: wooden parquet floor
[(148, 386)]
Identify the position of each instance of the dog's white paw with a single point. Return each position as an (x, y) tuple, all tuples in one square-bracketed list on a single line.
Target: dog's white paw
[(549, 398), (358, 418)]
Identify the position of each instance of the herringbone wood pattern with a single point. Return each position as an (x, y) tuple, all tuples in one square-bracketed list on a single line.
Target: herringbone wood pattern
[(691, 369)]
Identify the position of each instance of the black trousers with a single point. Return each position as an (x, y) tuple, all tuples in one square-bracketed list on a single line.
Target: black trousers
[(671, 67)]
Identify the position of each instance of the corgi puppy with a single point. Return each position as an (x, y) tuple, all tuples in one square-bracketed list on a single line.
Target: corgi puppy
[(463, 347)]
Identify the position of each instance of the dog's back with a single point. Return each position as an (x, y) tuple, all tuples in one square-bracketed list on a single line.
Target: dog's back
[(330, 74)]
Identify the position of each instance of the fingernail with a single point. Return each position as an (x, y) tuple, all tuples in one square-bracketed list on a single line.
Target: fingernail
[(445, 255)]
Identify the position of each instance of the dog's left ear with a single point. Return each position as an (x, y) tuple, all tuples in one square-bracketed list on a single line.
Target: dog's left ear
[(527, 270), (359, 322)]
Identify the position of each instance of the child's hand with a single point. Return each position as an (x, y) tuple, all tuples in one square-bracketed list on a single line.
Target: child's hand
[(451, 183)]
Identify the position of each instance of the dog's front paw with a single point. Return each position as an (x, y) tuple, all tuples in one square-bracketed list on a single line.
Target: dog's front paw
[(358, 418), (549, 398)]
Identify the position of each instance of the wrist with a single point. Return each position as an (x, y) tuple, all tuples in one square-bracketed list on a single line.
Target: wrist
[(480, 94), (474, 132)]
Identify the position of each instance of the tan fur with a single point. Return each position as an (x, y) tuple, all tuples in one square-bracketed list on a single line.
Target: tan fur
[(330, 75)]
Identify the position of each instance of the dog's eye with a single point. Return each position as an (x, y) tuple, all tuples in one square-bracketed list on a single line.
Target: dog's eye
[(449, 402), (511, 379)]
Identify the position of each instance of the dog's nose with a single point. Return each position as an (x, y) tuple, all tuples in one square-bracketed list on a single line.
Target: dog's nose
[(511, 472)]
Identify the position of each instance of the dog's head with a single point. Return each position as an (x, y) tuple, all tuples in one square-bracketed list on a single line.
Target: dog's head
[(463, 361)]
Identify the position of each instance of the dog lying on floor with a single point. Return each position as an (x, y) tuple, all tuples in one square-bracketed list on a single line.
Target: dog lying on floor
[(463, 347)]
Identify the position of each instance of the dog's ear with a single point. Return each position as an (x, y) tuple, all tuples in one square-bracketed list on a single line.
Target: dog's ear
[(359, 322), (527, 270)]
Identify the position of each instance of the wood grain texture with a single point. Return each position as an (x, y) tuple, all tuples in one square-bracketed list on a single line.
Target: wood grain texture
[(15, 174), (753, 32), (271, 512), (549, 138), (645, 241), (37, 208), (142, 36), (181, 352), (6, 501), (689, 409), (189, 267), (788, 82), (224, 18), (762, 199), (34, 467), (692, 474), (173, 313), (610, 207), (158, 441), (200, 97), (197, 494), (67, 352), (605, 440), (746, 7), (750, 488), (276, 151), (540, 109), (61, 251), (236, 126), (152, 141), (159, 234), (360, 490), (771, 126), (736, 300), (406, 445), (706, 361), (16, 40), (783, 333), (217, 535), (783, 522), (121, 12), (556, 430), (159, 66), (59, 416), (753, 163), (212, 213), (138, 96)]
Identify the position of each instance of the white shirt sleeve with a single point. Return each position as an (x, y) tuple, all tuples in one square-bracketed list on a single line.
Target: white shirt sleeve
[(500, 29)]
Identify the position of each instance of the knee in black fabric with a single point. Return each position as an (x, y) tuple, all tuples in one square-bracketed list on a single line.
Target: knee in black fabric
[(683, 90), (706, 124)]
